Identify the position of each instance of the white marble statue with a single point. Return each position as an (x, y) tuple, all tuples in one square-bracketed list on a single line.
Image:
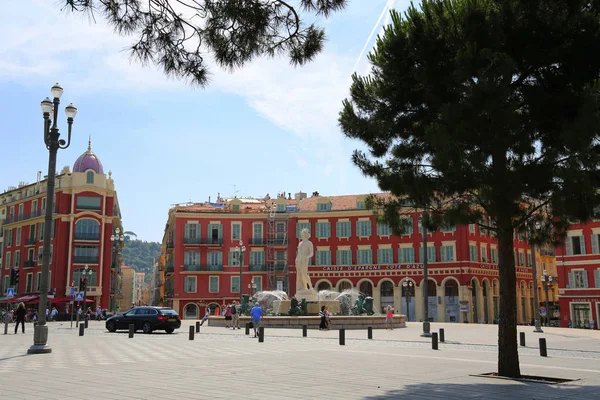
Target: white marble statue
[(305, 252)]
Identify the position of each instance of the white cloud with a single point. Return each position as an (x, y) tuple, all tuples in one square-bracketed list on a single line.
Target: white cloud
[(47, 44)]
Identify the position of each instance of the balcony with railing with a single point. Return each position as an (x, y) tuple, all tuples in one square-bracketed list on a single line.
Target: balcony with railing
[(276, 241), (214, 267), (29, 264), (87, 236), (24, 216), (85, 259), (257, 267), (170, 244), (30, 241), (191, 240), (257, 241), (191, 268)]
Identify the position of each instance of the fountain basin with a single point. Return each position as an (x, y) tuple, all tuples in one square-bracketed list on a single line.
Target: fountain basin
[(337, 322)]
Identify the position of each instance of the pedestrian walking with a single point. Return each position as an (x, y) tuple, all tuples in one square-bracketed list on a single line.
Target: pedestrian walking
[(228, 317), (235, 316), (98, 313), (389, 318), (206, 315), (323, 326), (21, 311), (257, 316)]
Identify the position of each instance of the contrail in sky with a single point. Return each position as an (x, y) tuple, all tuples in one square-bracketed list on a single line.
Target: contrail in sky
[(385, 13)]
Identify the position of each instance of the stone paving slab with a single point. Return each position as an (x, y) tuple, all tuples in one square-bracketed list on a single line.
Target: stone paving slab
[(225, 364)]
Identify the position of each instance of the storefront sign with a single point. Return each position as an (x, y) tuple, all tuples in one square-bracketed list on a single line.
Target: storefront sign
[(371, 267), (585, 300)]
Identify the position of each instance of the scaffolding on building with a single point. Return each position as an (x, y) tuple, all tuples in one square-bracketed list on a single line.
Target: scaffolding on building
[(276, 248)]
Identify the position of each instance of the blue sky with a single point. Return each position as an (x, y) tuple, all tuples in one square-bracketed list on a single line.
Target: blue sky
[(266, 128)]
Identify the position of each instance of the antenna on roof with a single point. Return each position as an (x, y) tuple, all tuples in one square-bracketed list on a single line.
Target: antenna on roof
[(235, 191)]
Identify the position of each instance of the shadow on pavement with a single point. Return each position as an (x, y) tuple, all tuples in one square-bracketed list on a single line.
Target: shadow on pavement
[(10, 358), (491, 390)]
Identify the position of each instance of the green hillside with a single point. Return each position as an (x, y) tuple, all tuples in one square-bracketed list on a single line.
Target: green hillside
[(139, 254)]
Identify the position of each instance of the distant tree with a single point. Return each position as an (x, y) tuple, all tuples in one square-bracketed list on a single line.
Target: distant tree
[(485, 107), (177, 35)]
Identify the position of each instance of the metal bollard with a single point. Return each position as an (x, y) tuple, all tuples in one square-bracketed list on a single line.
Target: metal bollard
[(369, 333), (197, 326), (191, 332), (247, 328), (442, 337), (304, 330), (342, 337), (86, 323), (522, 338), (81, 329), (261, 334), (543, 348), (131, 330), (434, 340)]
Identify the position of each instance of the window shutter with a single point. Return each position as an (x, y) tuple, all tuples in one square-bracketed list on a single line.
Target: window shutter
[(379, 256), (594, 244), (597, 278), (571, 282), (585, 279), (328, 229), (569, 246), (421, 258), (582, 241)]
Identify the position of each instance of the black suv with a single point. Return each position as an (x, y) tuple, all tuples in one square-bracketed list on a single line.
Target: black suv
[(147, 319)]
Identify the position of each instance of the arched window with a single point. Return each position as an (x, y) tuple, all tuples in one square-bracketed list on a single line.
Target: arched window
[(92, 279), (366, 288), (190, 311), (387, 289), (323, 286), (87, 229), (344, 285), (451, 288), (90, 177), (431, 288)]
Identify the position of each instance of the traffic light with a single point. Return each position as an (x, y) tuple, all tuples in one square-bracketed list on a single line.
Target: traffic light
[(12, 277), (82, 284), (16, 278)]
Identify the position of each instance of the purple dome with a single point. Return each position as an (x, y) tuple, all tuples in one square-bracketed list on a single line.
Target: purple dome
[(88, 160)]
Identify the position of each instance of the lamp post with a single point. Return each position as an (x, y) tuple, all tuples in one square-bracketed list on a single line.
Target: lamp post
[(239, 254), (117, 242), (53, 143), (536, 308), (407, 290), (252, 288), (425, 286), (547, 282), (84, 275)]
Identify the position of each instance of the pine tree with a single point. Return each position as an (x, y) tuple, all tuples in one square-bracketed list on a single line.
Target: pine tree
[(484, 107), (178, 35)]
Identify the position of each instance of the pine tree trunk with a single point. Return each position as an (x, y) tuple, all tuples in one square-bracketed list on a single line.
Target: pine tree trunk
[(508, 354)]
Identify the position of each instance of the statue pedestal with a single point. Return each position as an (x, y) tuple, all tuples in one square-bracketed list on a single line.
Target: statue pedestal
[(309, 295)]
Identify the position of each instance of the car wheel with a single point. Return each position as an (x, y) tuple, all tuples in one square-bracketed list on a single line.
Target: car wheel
[(147, 328), (111, 326), (169, 330)]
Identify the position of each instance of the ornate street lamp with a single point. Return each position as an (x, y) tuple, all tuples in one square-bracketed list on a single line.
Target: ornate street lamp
[(547, 282), (53, 143), (239, 258), (252, 288), (117, 243), (407, 291), (536, 304), (425, 285)]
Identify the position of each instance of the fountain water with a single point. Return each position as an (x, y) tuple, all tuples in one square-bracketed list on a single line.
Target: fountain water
[(270, 301)]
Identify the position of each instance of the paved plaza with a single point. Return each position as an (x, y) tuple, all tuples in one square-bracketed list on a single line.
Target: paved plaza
[(225, 364)]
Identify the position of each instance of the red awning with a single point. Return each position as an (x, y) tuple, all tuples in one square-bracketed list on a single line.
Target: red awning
[(62, 299), (25, 299)]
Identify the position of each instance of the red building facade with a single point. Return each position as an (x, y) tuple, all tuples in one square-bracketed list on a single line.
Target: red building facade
[(578, 265), (352, 250), (85, 214)]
